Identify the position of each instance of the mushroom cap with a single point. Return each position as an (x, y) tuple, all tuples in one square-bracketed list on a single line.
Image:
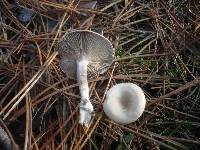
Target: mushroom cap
[(124, 103), (68, 67), (96, 48)]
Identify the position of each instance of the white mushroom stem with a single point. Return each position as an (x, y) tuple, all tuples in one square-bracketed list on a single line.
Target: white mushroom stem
[(86, 107)]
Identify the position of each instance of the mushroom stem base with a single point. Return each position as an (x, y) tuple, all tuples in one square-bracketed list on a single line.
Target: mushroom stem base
[(86, 112)]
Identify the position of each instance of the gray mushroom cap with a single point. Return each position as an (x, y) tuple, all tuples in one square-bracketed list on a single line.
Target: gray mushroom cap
[(68, 67), (97, 49)]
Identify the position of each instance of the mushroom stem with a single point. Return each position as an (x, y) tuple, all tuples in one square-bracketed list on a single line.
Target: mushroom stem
[(86, 107)]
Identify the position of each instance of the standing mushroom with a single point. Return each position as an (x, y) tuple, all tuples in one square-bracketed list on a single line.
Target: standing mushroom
[(124, 103), (84, 52)]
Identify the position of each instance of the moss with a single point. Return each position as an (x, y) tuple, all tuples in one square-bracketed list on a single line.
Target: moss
[(120, 52)]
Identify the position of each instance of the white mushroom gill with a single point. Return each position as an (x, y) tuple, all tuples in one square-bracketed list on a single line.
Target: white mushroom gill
[(124, 103)]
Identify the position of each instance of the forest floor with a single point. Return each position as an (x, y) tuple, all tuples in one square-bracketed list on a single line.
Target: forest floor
[(157, 46)]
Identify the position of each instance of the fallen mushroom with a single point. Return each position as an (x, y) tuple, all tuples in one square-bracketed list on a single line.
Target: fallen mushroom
[(84, 52), (124, 103)]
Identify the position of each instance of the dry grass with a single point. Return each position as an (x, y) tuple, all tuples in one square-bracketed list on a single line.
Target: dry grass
[(157, 47)]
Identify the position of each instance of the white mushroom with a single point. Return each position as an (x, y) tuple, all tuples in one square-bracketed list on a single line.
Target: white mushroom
[(124, 103), (84, 52)]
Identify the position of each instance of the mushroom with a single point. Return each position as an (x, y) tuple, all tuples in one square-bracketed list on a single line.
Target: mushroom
[(124, 103), (84, 53)]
